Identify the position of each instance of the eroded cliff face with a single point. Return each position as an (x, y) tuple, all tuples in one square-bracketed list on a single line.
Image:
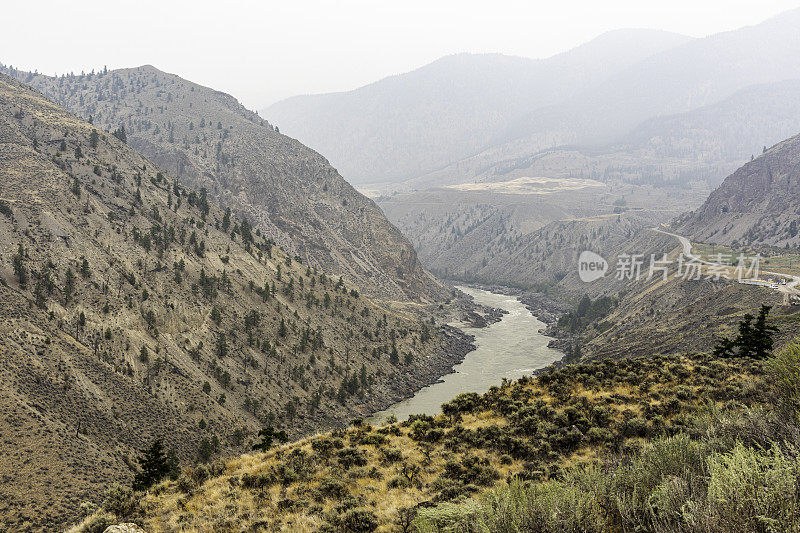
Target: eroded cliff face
[(756, 205)]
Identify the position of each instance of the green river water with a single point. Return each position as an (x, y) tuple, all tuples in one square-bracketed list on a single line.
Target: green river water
[(509, 348)]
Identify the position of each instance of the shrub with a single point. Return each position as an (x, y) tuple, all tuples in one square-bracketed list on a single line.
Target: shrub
[(331, 488), (257, 481), (392, 455), (119, 501), (97, 523), (447, 517), (350, 457), (748, 490), (784, 373), (359, 520)]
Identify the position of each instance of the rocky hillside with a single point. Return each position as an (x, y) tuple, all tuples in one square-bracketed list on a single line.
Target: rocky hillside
[(757, 204), (134, 308), (208, 140)]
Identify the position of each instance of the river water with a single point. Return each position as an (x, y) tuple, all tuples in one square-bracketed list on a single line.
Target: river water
[(510, 348)]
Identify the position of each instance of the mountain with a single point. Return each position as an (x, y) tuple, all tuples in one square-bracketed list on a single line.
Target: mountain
[(691, 75), (730, 69), (759, 204), (700, 146), (133, 308), (556, 110), (210, 141), (729, 131), (414, 123)]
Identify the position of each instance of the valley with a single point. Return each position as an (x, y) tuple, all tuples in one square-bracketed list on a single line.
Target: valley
[(477, 233), (505, 350), (494, 293)]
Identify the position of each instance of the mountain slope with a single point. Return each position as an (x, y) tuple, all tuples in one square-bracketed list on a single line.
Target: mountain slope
[(132, 307), (757, 204), (413, 123), (697, 73), (208, 140), (691, 75), (670, 151)]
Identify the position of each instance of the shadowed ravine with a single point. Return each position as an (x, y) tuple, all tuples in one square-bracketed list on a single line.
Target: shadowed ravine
[(509, 348)]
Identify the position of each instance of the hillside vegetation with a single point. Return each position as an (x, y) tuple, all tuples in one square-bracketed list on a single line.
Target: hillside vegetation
[(134, 308), (662, 442), (207, 139)]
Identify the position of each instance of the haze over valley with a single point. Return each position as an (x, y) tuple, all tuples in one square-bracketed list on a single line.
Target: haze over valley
[(546, 281)]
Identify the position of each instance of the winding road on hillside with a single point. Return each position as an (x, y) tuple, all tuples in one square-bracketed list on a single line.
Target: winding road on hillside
[(686, 245)]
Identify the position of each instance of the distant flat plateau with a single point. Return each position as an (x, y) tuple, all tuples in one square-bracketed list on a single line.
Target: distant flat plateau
[(530, 185)]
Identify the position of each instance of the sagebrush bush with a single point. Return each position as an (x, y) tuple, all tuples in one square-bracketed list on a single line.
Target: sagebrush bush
[(750, 490), (784, 373)]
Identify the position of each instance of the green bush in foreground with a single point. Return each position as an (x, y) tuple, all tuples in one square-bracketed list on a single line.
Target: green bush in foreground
[(738, 490), (735, 469)]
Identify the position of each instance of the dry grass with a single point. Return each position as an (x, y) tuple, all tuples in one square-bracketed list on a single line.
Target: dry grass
[(225, 503)]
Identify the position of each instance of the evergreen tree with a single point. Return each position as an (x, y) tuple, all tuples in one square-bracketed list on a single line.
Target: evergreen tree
[(268, 436), (120, 134), (69, 285), (761, 334), (226, 220), (18, 262), (744, 340), (753, 340), (222, 346), (155, 465)]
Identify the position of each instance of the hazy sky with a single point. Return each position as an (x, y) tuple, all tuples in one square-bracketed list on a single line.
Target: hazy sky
[(263, 51)]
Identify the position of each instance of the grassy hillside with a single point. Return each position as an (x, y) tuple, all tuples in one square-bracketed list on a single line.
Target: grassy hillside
[(133, 307), (536, 434)]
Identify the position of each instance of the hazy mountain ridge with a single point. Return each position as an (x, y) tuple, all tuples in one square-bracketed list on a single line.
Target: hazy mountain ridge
[(414, 123), (134, 308), (612, 108), (207, 139), (671, 151)]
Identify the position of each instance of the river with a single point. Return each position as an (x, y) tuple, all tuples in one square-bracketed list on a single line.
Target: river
[(510, 348)]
